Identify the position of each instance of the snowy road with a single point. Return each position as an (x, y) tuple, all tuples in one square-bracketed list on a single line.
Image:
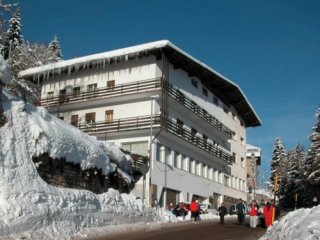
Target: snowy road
[(204, 230)]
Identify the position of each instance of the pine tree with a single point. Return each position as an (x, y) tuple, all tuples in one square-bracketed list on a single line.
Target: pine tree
[(313, 157), (6, 12), (14, 36), (278, 163), (294, 178), (55, 49)]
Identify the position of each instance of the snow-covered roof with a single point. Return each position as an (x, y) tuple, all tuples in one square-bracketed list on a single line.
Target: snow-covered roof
[(230, 95)]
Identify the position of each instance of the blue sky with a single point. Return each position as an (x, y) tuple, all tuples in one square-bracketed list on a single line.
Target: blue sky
[(271, 49)]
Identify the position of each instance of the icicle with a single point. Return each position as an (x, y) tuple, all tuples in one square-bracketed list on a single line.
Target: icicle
[(104, 63), (77, 67), (69, 70)]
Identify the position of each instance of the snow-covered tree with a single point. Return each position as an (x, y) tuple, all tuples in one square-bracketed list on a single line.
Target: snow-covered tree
[(6, 11), (14, 36), (312, 163), (294, 178), (278, 163), (55, 49)]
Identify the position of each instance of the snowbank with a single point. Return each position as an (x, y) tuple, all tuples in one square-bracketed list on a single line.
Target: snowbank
[(300, 224), (33, 209)]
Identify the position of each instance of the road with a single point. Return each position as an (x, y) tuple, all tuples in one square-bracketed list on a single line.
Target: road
[(203, 230)]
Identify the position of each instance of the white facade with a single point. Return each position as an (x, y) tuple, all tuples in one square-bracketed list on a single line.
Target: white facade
[(145, 94)]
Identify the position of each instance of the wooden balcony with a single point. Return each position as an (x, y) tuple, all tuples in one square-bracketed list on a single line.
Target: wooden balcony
[(117, 90), (143, 122), (194, 139), (138, 87), (199, 111), (117, 125)]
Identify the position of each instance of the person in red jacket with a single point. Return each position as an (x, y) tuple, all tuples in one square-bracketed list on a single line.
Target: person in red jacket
[(194, 208), (268, 213), (253, 213)]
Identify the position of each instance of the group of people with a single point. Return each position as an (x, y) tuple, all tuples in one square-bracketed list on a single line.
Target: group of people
[(182, 210), (263, 212)]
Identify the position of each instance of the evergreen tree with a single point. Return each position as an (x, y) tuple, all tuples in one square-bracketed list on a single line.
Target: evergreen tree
[(6, 11), (294, 180), (278, 163), (55, 49), (13, 36), (312, 165)]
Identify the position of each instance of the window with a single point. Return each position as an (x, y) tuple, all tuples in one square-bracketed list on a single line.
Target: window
[(198, 168), (75, 120), (184, 163), (76, 91), (234, 157), (92, 88), (111, 84), (205, 171), (176, 159), (140, 148), (168, 156), (226, 181), (158, 153), (242, 162), (179, 160), (109, 116), (210, 173), (205, 91), (179, 127), (192, 166), (90, 117), (62, 96), (50, 95), (194, 82)]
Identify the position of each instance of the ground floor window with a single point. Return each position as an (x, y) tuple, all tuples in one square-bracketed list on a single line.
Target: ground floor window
[(140, 148)]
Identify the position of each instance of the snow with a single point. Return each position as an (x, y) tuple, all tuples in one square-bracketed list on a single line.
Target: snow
[(300, 224), (30, 208), (5, 76)]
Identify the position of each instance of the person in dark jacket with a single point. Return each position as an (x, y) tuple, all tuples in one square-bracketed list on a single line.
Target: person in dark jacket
[(222, 212), (241, 211)]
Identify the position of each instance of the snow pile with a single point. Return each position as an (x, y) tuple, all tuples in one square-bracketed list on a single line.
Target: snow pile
[(300, 224), (29, 207)]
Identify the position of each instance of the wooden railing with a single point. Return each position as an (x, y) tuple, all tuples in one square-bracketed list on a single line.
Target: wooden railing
[(187, 135), (195, 108), (116, 90), (124, 124), (143, 122), (136, 87)]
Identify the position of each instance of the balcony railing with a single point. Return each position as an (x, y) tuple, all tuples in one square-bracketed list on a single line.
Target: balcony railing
[(143, 122), (191, 105), (187, 135), (136, 87), (117, 90), (117, 125)]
